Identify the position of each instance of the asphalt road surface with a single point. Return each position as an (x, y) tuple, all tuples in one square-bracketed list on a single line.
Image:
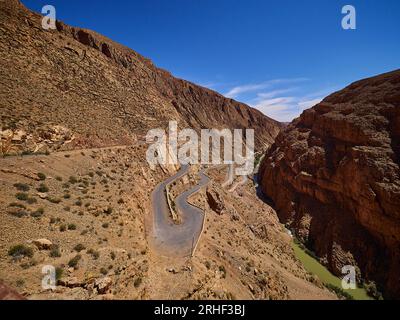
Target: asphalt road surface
[(177, 239)]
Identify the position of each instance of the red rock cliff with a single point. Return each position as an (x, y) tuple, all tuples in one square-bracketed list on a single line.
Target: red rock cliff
[(334, 177)]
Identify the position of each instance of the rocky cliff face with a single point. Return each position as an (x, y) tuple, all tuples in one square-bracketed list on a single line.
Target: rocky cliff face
[(71, 88), (334, 177)]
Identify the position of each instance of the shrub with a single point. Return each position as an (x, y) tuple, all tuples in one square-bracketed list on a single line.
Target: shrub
[(78, 203), (22, 186), (113, 255), (17, 205), (19, 213), (20, 250), (103, 271), (138, 281), (95, 254), (67, 196), (22, 196), (339, 292), (71, 226), (41, 176), (31, 200), (79, 247), (63, 228), (55, 252), (59, 273), (43, 188), (54, 200), (38, 213), (105, 225), (59, 179), (372, 290), (74, 261)]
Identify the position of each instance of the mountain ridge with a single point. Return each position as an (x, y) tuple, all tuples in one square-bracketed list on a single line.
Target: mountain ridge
[(100, 92)]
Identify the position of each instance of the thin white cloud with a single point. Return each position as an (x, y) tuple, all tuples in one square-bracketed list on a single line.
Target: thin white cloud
[(236, 91)]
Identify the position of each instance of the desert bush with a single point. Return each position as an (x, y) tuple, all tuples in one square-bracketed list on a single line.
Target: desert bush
[(22, 187), (72, 226), (138, 281), (55, 252), (43, 188), (95, 254), (41, 176), (79, 247), (38, 213), (73, 263), (22, 196), (20, 250), (54, 200), (17, 205)]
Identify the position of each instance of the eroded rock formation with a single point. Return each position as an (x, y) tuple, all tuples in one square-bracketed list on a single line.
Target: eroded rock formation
[(101, 92), (334, 177)]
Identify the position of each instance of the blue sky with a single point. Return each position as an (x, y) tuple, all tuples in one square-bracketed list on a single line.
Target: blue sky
[(278, 56)]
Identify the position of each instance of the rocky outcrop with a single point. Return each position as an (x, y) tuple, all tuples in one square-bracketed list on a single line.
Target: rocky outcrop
[(215, 200), (99, 91), (334, 176)]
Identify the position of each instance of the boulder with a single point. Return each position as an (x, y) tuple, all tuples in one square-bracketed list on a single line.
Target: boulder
[(215, 200), (43, 244), (103, 285)]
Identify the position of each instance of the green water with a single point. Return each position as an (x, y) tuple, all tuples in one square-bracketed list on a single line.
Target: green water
[(314, 267)]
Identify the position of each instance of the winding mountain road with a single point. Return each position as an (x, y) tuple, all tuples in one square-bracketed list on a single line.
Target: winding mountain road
[(177, 239)]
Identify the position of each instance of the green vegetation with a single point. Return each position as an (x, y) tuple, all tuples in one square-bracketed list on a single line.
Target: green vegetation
[(72, 226), (138, 281), (78, 203), (22, 187), (43, 188), (31, 200), (103, 271), (95, 254), (41, 176), (54, 200), (20, 250), (79, 247), (59, 273), (17, 205), (332, 282), (38, 213), (373, 291), (55, 252), (73, 263), (22, 196)]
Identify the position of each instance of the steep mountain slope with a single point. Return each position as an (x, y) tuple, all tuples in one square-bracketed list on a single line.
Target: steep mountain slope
[(69, 88), (334, 176)]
